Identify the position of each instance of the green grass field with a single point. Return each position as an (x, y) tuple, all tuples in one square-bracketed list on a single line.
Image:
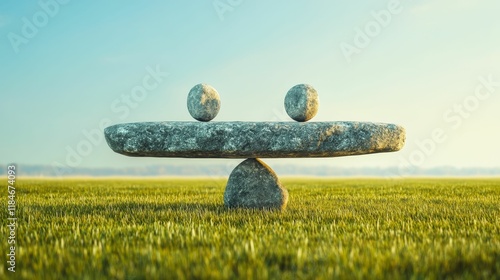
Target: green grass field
[(179, 229)]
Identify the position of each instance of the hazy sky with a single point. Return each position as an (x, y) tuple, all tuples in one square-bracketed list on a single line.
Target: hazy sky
[(69, 67)]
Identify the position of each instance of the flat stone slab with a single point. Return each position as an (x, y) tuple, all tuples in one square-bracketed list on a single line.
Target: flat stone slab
[(253, 139)]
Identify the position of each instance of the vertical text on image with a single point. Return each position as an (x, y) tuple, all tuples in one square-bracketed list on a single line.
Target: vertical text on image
[(11, 218)]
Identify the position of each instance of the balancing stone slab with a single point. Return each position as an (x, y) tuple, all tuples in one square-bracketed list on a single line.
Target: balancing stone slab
[(253, 139)]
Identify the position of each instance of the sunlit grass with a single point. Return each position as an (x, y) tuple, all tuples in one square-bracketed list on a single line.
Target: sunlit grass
[(169, 229)]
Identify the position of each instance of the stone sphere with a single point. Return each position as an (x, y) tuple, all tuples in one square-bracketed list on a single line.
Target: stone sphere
[(203, 102), (301, 102)]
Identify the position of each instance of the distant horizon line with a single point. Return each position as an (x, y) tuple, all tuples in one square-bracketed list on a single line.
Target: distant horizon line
[(282, 177), (223, 170)]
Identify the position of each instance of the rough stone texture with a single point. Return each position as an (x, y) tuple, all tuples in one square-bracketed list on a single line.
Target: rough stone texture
[(203, 102), (301, 102), (254, 185), (253, 139)]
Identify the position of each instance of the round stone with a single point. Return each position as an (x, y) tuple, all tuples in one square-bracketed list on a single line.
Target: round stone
[(203, 102), (301, 102), (254, 185)]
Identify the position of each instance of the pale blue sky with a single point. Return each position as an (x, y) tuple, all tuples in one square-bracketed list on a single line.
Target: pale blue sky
[(84, 57)]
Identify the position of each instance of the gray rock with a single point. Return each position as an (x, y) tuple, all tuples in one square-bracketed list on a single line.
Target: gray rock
[(254, 185), (301, 102), (203, 102), (253, 139)]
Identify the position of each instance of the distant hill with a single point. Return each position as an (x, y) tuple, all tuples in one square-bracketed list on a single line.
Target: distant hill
[(225, 170)]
